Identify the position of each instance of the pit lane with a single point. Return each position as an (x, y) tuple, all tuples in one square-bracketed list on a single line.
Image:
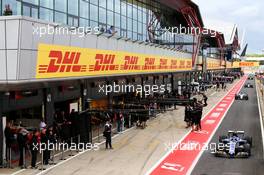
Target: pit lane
[(243, 115)]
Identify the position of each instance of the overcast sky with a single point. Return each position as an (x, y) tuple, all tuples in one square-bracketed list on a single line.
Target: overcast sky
[(247, 14)]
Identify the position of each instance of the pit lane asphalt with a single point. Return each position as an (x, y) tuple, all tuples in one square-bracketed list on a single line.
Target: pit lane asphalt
[(243, 115)]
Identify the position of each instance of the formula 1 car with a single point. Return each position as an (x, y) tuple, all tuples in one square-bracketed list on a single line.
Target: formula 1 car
[(241, 96), (248, 85), (234, 145)]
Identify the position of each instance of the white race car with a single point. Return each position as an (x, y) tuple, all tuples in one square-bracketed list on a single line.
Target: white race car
[(241, 96)]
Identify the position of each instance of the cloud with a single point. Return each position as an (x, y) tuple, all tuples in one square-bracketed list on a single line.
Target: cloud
[(248, 15), (247, 12)]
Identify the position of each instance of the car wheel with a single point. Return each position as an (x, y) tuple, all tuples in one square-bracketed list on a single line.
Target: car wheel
[(248, 139), (221, 138), (247, 149)]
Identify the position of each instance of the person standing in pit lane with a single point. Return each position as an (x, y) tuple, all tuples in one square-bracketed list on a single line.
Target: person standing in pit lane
[(107, 134), (187, 117), (193, 114), (35, 140), (205, 98), (199, 109)]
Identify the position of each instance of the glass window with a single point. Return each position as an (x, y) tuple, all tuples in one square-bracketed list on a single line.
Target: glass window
[(34, 12), (134, 13), (134, 37), (93, 24), (46, 3), (129, 11), (60, 17), (84, 9), (46, 14), (123, 33), (35, 2), (61, 5), (73, 21), (95, 2), (84, 22), (93, 12), (140, 37), (144, 38), (129, 24), (129, 34), (73, 7), (102, 3), (117, 20), (123, 8), (102, 15), (145, 18), (123, 22), (110, 5), (134, 26), (140, 16), (110, 18), (140, 27), (117, 6), (14, 5), (26, 10)]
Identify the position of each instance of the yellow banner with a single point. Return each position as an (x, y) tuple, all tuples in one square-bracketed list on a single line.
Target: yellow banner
[(245, 64), (213, 64), (63, 61)]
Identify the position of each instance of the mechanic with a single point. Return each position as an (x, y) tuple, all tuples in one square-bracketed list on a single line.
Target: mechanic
[(107, 134), (187, 117)]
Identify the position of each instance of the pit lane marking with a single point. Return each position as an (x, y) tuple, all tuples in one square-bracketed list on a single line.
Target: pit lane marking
[(173, 167), (215, 114), (209, 122), (223, 105), (219, 109)]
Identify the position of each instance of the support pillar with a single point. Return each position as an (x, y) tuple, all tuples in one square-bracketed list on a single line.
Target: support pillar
[(1, 131), (49, 106)]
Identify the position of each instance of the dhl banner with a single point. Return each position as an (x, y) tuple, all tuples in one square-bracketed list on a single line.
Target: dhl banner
[(64, 61), (210, 63), (213, 64), (245, 64), (228, 64)]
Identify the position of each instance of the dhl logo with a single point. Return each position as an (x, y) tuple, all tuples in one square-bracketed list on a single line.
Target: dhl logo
[(174, 64), (60, 62), (131, 63), (104, 62), (244, 64), (149, 64), (182, 64), (163, 64)]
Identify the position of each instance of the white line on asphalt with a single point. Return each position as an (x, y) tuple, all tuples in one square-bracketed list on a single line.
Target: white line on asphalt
[(17, 172), (213, 93), (210, 138), (169, 152), (261, 119)]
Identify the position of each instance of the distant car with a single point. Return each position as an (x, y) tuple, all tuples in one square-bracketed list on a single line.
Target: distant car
[(250, 78), (234, 145), (248, 85), (241, 96)]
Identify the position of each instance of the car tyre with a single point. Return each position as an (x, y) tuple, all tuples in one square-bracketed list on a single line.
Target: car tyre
[(248, 139), (221, 138), (247, 149)]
